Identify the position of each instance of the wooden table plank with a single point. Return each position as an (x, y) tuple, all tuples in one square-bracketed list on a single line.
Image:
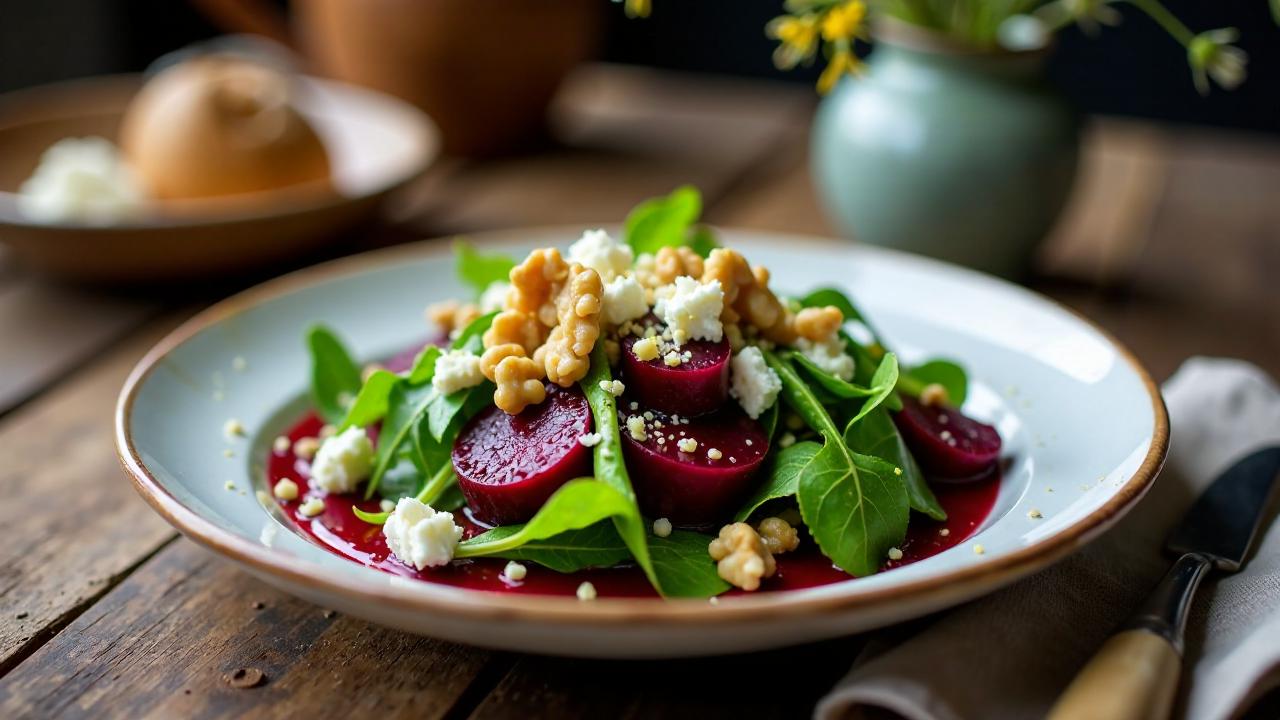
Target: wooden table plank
[(165, 641), (74, 524)]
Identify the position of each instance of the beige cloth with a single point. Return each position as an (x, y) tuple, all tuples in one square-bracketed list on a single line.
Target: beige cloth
[(1011, 654)]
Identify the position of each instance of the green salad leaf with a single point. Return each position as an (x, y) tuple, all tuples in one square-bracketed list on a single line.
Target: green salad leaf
[(471, 338), (855, 506), (335, 377), (669, 221), (943, 372), (480, 270), (577, 504), (439, 491), (597, 545), (371, 403), (832, 384), (684, 565), (877, 436), (781, 476), (424, 365), (407, 405)]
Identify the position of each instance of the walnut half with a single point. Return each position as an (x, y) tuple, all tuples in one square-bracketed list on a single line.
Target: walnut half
[(741, 556)]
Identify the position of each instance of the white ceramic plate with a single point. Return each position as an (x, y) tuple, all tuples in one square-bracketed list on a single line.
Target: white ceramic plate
[(1077, 413)]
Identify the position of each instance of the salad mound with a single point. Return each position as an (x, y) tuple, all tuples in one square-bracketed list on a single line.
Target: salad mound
[(649, 401)]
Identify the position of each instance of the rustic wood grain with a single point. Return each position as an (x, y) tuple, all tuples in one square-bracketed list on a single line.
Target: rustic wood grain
[(164, 643), (73, 524)]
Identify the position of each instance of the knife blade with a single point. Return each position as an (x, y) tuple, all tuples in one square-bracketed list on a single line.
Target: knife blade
[(1224, 521), (1134, 676)]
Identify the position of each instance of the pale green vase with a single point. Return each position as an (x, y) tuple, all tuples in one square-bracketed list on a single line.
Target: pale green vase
[(960, 156)]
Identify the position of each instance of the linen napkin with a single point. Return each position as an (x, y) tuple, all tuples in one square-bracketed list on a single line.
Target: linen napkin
[(1011, 654)]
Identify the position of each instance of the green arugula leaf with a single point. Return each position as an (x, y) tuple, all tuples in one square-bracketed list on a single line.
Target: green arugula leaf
[(597, 545), (769, 420), (703, 241), (664, 221), (406, 405), (438, 492), (403, 479), (444, 408), (471, 338), (832, 384), (424, 365), (576, 505), (781, 477), (943, 372), (883, 382), (335, 377), (477, 270), (877, 436), (371, 404), (685, 566), (854, 505)]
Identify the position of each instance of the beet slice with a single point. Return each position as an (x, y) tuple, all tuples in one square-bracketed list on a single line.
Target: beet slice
[(690, 488), (694, 387), (508, 465), (947, 442)]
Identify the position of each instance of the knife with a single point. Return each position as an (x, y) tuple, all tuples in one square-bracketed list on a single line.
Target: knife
[(1134, 676)]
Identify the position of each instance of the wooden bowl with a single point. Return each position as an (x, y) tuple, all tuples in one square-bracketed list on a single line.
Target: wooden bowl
[(376, 143)]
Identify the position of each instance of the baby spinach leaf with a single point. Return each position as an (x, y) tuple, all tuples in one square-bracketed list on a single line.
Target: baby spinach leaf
[(371, 404), (477, 270), (402, 479), (883, 381), (664, 221), (424, 365), (597, 545), (610, 468), (576, 505), (832, 384), (406, 405), (877, 436), (444, 408), (471, 338), (334, 375), (769, 420), (854, 505), (451, 498), (943, 372), (781, 476), (436, 493), (683, 563), (703, 241)]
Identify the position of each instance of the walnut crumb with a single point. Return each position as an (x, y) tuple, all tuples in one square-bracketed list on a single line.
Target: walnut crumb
[(778, 535), (1034, 514), (742, 559), (934, 395)]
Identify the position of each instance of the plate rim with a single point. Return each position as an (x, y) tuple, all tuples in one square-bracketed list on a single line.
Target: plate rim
[(964, 581)]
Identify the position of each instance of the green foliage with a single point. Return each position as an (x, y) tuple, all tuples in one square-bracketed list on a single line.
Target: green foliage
[(480, 271), (335, 378), (781, 477), (669, 221)]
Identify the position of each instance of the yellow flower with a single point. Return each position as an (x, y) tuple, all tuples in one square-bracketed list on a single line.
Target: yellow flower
[(638, 8), (844, 21), (798, 37), (842, 63)]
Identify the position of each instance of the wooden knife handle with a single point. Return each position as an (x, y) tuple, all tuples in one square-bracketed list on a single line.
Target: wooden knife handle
[(1133, 677)]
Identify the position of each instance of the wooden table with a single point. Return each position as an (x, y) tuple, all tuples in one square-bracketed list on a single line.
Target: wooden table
[(1173, 244)]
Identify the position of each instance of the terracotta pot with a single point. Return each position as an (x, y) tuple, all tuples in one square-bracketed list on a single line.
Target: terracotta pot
[(484, 71)]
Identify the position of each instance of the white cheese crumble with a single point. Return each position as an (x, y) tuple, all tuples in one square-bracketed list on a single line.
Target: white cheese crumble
[(420, 536), (281, 445), (386, 505), (312, 507), (306, 447), (691, 310), (591, 439), (613, 387), (755, 385), (456, 370), (286, 489), (343, 461), (714, 454), (82, 180), (494, 297), (979, 550), (233, 428), (635, 426), (515, 572), (828, 355), (646, 349), (600, 252), (586, 591), (662, 527), (687, 445), (895, 554), (624, 300)]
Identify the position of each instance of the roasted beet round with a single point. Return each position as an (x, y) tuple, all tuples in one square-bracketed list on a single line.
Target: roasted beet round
[(945, 441), (701, 486), (696, 386), (508, 465)]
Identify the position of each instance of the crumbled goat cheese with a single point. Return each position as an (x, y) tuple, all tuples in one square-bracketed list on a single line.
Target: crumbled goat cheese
[(635, 426), (944, 532), (286, 489), (714, 454), (515, 572), (306, 447), (672, 359), (646, 349), (828, 355), (281, 445), (343, 461), (600, 252), (494, 297), (456, 370), (233, 428), (590, 439), (586, 591), (81, 180), (895, 554), (691, 310), (613, 387), (687, 445), (755, 385), (662, 527), (1034, 514), (979, 550), (386, 505), (623, 300), (420, 536), (312, 507)]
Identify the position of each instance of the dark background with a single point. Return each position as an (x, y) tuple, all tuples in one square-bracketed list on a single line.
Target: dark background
[(1134, 69)]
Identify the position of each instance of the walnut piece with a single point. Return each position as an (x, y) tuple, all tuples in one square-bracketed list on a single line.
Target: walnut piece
[(741, 556), (566, 355), (515, 327), (747, 296), (819, 324), (673, 262), (519, 382), (778, 536), (934, 395), (534, 283), (452, 315)]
